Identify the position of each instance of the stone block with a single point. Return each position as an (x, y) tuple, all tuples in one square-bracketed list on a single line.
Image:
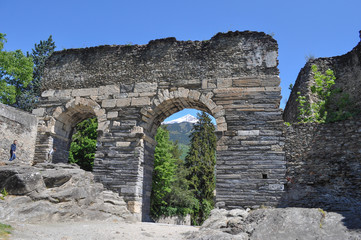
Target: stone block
[(224, 82), (122, 144), (39, 112), (63, 93), (248, 132), (134, 206), (194, 95), (222, 127), (123, 102), (108, 90), (204, 83), (109, 103), (142, 87), (271, 59), (141, 101), (48, 93), (103, 126), (112, 114), (183, 92), (85, 92)]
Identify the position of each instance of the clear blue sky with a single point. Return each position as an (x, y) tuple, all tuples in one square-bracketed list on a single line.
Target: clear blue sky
[(320, 28)]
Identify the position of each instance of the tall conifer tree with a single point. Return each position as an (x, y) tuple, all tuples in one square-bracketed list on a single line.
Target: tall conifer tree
[(163, 173), (201, 161)]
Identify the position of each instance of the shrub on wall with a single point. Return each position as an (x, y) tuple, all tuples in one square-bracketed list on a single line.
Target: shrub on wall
[(321, 110)]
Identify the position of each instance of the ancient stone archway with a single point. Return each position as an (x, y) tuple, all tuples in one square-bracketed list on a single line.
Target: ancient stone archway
[(232, 76), (60, 123), (162, 106)]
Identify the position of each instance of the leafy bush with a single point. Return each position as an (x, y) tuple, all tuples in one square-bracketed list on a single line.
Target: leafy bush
[(83, 145)]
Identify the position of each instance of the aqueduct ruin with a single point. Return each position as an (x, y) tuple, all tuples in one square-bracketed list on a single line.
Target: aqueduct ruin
[(132, 89)]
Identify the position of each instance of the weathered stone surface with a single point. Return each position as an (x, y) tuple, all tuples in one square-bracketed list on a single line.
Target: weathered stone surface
[(17, 125), (56, 192), (177, 220), (277, 224), (323, 165)]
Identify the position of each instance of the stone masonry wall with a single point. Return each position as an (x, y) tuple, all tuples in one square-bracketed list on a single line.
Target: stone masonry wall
[(347, 69), (323, 165), (21, 126), (132, 89)]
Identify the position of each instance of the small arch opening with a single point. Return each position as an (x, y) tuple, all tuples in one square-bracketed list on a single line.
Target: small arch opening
[(84, 143), (75, 134)]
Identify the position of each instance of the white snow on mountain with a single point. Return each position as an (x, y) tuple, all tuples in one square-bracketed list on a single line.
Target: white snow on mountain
[(187, 118)]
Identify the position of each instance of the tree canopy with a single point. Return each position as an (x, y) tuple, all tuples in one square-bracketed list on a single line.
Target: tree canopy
[(200, 162), (16, 71), (28, 99)]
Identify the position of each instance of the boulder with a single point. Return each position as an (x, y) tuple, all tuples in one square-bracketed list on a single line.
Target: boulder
[(20, 181), (56, 192), (277, 223)]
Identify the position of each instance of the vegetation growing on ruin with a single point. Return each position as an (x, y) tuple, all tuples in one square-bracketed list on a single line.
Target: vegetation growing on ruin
[(331, 105), (83, 145)]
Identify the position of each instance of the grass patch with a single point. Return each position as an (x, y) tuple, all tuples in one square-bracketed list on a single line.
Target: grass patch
[(5, 231)]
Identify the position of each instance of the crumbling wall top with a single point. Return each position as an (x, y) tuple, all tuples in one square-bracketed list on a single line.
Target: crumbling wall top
[(229, 54)]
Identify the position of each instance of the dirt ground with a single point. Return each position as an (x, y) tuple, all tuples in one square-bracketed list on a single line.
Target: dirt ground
[(98, 230)]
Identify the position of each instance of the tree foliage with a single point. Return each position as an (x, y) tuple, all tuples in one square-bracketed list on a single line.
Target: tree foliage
[(40, 53), (170, 193), (163, 173), (83, 145), (330, 105), (15, 73), (200, 162)]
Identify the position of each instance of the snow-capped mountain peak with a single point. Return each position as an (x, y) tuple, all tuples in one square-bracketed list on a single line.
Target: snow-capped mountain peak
[(187, 118)]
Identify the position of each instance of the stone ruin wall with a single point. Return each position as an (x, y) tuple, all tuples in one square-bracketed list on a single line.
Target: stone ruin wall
[(324, 160), (347, 70), (17, 125), (132, 89), (324, 165)]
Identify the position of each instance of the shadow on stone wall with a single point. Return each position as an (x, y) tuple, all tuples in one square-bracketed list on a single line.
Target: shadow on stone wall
[(324, 168)]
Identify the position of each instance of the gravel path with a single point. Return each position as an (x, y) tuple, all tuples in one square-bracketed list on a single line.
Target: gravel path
[(96, 230)]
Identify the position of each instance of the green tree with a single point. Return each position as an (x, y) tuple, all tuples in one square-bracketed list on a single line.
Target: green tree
[(15, 73), (40, 53), (330, 105), (181, 198), (83, 145), (163, 174), (200, 162)]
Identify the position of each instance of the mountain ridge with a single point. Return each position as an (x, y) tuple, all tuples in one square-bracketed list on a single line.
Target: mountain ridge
[(187, 118)]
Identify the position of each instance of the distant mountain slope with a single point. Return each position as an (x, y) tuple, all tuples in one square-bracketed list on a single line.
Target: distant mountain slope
[(180, 131)]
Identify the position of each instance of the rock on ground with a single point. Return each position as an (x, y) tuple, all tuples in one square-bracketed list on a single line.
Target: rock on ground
[(96, 230), (56, 192), (275, 224)]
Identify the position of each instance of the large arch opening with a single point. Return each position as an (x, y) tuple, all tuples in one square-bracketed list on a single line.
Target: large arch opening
[(153, 118)]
